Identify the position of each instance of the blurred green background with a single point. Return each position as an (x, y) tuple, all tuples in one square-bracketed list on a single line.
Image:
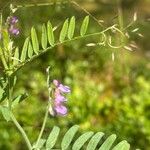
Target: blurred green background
[(108, 96)]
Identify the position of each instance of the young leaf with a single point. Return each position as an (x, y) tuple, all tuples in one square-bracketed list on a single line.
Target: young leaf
[(64, 30), (81, 140), (68, 137), (51, 39), (71, 27), (84, 26), (108, 143), (94, 141), (16, 57), (5, 113), (34, 39), (30, 50), (52, 137), (44, 37), (24, 49)]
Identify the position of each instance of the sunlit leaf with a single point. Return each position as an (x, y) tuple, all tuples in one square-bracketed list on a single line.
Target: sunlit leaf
[(108, 142), (34, 39), (52, 137), (84, 26), (68, 137), (81, 140), (63, 32), (44, 37), (51, 39), (16, 57), (30, 50), (24, 50), (71, 28)]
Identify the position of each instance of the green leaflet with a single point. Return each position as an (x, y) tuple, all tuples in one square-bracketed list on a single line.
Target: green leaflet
[(94, 141), (51, 39), (24, 50), (84, 26), (81, 140), (44, 37), (52, 137), (108, 143), (30, 50), (63, 32), (68, 137), (123, 145), (16, 57), (5, 113), (71, 28), (34, 39), (40, 144)]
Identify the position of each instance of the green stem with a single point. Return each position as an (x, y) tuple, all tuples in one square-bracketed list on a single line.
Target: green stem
[(9, 94), (43, 127), (21, 131)]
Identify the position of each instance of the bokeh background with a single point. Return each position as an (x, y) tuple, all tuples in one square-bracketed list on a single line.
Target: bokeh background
[(108, 96)]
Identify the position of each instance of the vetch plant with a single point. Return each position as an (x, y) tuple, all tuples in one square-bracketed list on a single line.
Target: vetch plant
[(14, 58)]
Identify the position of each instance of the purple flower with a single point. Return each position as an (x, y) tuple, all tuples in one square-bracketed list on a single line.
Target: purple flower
[(13, 20), (61, 110), (13, 30), (59, 98)]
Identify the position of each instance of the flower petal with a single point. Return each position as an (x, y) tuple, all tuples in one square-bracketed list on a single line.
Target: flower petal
[(64, 89), (61, 110)]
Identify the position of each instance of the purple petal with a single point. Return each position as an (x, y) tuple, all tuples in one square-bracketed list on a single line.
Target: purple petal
[(64, 89), (14, 30), (61, 110), (60, 98), (13, 20), (56, 82)]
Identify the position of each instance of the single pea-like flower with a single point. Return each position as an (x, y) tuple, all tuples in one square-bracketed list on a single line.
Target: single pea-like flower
[(59, 98), (13, 30), (12, 20)]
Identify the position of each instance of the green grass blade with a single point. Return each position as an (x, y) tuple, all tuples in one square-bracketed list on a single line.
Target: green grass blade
[(81, 140), (64, 31), (108, 142), (51, 39), (52, 138), (71, 28), (94, 141), (68, 137), (44, 37), (34, 39), (84, 26)]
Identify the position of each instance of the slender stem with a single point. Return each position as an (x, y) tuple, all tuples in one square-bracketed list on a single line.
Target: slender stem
[(43, 127), (49, 105), (9, 94), (21, 131)]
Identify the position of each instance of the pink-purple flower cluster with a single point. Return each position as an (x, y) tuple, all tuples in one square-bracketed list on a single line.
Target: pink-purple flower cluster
[(59, 98), (12, 23)]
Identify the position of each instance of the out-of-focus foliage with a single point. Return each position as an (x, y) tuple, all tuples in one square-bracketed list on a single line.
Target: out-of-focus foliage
[(111, 96)]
